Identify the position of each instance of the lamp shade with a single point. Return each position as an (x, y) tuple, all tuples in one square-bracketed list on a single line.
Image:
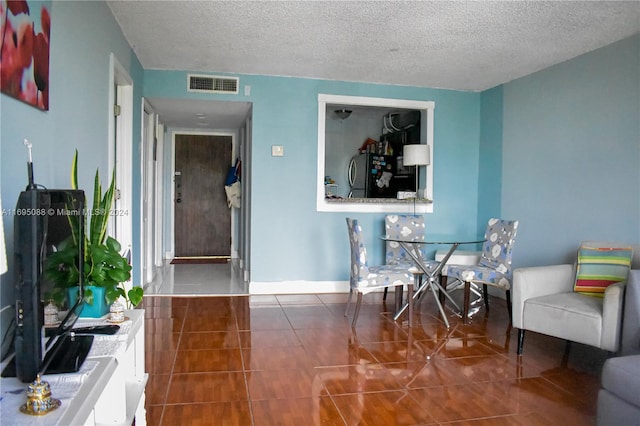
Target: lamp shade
[(416, 155), (3, 250)]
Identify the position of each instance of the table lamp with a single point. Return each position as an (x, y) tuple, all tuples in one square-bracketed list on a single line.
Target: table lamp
[(416, 155)]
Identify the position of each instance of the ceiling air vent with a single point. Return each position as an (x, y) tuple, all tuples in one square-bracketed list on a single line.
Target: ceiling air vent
[(213, 84)]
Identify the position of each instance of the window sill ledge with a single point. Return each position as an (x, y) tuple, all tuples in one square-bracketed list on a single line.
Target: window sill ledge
[(375, 205)]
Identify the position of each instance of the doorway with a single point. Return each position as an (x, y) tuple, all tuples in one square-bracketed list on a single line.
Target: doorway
[(202, 217)]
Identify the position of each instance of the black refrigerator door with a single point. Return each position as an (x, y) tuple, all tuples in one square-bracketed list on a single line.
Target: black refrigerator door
[(381, 171)]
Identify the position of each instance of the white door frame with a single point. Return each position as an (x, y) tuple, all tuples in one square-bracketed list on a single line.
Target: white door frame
[(120, 136), (159, 191), (147, 195), (245, 214)]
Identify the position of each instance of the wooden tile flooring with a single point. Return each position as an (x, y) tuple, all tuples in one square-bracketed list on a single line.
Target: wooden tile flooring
[(294, 360)]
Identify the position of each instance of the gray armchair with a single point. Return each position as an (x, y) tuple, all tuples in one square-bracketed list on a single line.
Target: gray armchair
[(630, 343), (544, 302), (619, 397)]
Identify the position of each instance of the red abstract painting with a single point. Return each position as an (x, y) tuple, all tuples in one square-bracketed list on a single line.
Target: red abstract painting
[(24, 51)]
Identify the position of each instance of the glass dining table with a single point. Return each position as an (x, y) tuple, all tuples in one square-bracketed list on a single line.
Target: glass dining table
[(430, 271)]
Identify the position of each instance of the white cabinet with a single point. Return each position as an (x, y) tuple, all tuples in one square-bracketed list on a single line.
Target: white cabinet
[(122, 398), (109, 389)]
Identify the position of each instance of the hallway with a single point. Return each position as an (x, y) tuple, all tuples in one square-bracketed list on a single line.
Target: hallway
[(197, 280)]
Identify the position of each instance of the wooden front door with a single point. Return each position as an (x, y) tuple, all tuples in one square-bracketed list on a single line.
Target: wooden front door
[(202, 217)]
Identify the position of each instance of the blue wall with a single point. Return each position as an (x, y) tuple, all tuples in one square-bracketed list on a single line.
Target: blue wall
[(571, 154), (290, 239), (83, 35), (490, 167)]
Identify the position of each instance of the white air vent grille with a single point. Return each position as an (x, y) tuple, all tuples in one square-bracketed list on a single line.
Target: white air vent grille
[(212, 84)]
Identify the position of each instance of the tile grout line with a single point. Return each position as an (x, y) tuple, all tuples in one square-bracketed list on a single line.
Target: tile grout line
[(244, 370), (173, 364)]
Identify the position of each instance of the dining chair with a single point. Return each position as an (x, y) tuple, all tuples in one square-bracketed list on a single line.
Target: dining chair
[(494, 267), (459, 257), (365, 279), (410, 227)]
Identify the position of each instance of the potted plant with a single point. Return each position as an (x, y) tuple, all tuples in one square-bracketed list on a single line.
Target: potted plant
[(105, 269)]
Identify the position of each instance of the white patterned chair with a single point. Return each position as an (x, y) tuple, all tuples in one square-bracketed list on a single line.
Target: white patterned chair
[(494, 267), (409, 227), (364, 278)]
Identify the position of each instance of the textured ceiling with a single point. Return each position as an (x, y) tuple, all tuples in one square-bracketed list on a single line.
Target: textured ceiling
[(456, 45)]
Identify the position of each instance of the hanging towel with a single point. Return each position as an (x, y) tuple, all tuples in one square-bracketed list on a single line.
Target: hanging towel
[(233, 194)]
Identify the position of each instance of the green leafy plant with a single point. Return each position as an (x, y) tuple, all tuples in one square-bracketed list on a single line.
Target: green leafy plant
[(104, 265)]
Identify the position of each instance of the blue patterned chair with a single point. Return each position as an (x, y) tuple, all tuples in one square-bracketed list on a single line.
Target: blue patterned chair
[(494, 267), (365, 278), (410, 227)]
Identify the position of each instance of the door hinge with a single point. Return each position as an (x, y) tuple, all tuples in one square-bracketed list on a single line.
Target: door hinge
[(117, 194), (116, 110)]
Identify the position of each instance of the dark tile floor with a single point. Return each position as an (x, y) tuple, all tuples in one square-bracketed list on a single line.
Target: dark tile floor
[(295, 360)]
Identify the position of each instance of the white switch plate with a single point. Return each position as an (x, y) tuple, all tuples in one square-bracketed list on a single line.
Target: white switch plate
[(277, 151), (247, 90)]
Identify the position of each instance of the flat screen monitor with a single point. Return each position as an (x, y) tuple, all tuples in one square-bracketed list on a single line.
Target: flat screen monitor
[(40, 224), (64, 204)]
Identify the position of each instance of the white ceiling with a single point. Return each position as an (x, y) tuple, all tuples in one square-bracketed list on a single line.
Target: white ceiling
[(457, 45)]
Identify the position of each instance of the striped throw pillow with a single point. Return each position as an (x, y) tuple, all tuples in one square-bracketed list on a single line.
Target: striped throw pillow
[(599, 267)]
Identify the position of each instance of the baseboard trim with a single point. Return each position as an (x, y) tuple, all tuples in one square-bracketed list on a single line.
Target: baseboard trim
[(298, 287)]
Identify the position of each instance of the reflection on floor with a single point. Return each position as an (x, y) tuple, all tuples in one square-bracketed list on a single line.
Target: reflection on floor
[(294, 360), (202, 280)]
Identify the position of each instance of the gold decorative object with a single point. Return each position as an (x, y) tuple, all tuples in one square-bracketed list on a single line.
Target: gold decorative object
[(39, 401)]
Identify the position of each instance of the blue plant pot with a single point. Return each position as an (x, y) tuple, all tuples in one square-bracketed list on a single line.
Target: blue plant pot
[(98, 309)]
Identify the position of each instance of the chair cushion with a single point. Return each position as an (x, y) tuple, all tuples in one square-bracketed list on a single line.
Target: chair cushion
[(599, 267), (571, 316), (384, 276), (621, 377), (480, 274)]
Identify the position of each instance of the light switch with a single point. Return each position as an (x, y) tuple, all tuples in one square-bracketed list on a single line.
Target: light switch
[(277, 151)]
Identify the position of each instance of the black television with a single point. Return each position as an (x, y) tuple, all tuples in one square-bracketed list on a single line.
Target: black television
[(41, 222)]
